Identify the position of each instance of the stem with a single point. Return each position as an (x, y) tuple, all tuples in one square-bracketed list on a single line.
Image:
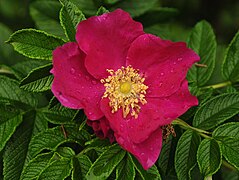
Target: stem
[(229, 166), (187, 126), (219, 85)]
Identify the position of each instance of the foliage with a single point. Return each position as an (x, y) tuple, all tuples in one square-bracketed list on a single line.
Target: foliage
[(40, 139)]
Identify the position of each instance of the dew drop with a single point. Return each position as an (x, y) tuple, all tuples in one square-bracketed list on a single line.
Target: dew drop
[(180, 59), (94, 82), (142, 154), (160, 84), (161, 73), (174, 63), (73, 71), (171, 70), (79, 75), (87, 77)]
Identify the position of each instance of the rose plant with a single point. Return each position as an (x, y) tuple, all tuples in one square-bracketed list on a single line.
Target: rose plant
[(101, 97)]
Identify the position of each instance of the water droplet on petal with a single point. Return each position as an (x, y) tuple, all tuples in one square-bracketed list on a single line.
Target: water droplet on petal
[(180, 59), (94, 82), (73, 71), (161, 73), (174, 63), (120, 140), (160, 84), (87, 77), (142, 154), (79, 75), (171, 70)]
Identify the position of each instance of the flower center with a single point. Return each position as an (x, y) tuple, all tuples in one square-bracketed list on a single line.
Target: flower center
[(125, 89)]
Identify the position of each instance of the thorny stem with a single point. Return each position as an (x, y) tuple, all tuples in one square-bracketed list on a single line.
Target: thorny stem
[(185, 125), (219, 85)]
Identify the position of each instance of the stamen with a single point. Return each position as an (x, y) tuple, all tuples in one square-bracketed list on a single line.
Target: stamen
[(125, 89)]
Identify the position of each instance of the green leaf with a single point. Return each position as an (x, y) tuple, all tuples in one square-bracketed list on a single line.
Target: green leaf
[(38, 80), (186, 151), (22, 69), (7, 128), (202, 41), (209, 157), (230, 66), (88, 7), (49, 139), (165, 161), (36, 166), (106, 163), (81, 165), (151, 173), (16, 154), (228, 135), (65, 152), (70, 16), (216, 111), (45, 13), (125, 169), (52, 138), (195, 172), (135, 7), (101, 10), (59, 169), (34, 43), (9, 90), (59, 115)]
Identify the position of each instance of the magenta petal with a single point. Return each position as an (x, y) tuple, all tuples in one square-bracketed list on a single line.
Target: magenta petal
[(163, 63), (106, 39), (157, 112), (73, 86), (147, 152)]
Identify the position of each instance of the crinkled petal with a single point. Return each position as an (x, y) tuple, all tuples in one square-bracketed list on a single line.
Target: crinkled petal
[(157, 112), (73, 86), (147, 152), (102, 128), (163, 63), (106, 39)]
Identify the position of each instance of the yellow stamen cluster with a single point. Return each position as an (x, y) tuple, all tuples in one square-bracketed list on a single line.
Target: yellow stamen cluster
[(125, 89)]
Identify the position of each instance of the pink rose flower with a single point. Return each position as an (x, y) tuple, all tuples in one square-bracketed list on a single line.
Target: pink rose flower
[(129, 83)]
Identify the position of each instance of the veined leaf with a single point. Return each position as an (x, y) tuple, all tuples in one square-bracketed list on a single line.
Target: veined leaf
[(7, 128), (81, 165), (125, 169), (45, 13), (106, 163), (151, 173), (9, 90), (101, 10), (202, 41), (59, 169), (165, 161), (22, 69), (36, 166), (230, 66), (52, 138), (186, 151), (209, 157), (16, 154), (70, 16), (228, 135), (34, 43), (216, 111), (38, 80), (88, 7)]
